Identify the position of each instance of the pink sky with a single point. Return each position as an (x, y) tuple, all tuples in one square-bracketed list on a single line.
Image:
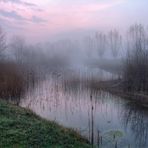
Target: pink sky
[(39, 19)]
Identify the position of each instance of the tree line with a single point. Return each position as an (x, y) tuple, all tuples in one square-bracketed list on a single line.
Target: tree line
[(23, 65), (135, 72)]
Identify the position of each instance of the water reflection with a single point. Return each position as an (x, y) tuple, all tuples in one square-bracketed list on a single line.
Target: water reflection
[(95, 114), (135, 118)]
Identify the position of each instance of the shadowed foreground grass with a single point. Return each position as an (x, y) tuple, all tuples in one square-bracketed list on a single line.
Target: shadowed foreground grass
[(20, 128)]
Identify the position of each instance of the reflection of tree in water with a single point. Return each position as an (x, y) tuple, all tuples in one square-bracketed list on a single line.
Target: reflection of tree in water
[(136, 118)]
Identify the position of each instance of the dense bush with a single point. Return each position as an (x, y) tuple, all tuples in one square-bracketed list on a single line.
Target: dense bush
[(12, 80)]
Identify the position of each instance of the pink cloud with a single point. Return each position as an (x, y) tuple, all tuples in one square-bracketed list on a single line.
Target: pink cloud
[(59, 16)]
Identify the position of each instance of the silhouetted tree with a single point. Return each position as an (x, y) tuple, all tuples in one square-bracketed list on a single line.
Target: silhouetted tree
[(136, 65), (115, 41), (18, 47), (89, 46), (101, 42), (2, 42)]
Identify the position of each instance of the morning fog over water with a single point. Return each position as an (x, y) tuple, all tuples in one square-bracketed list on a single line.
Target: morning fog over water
[(94, 114), (81, 64)]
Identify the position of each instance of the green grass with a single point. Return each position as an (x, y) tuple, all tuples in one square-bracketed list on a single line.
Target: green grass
[(20, 128)]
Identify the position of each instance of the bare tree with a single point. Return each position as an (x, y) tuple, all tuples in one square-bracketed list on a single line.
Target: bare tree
[(2, 42), (101, 43), (89, 46), (136, 65), (115, 41), (18, 46), (137, 37)]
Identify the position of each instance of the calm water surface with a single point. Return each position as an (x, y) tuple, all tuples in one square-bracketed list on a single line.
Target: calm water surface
[(104, 119)]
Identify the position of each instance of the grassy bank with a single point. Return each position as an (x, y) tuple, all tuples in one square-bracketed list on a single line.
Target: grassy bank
[(20, 128)]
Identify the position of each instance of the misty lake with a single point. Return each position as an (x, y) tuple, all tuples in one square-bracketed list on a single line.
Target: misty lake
[(101, 117)]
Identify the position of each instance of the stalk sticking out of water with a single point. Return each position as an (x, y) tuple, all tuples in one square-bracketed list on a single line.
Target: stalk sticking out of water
[(116, 144), (92, 134), (101, 140), (98, 139)]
